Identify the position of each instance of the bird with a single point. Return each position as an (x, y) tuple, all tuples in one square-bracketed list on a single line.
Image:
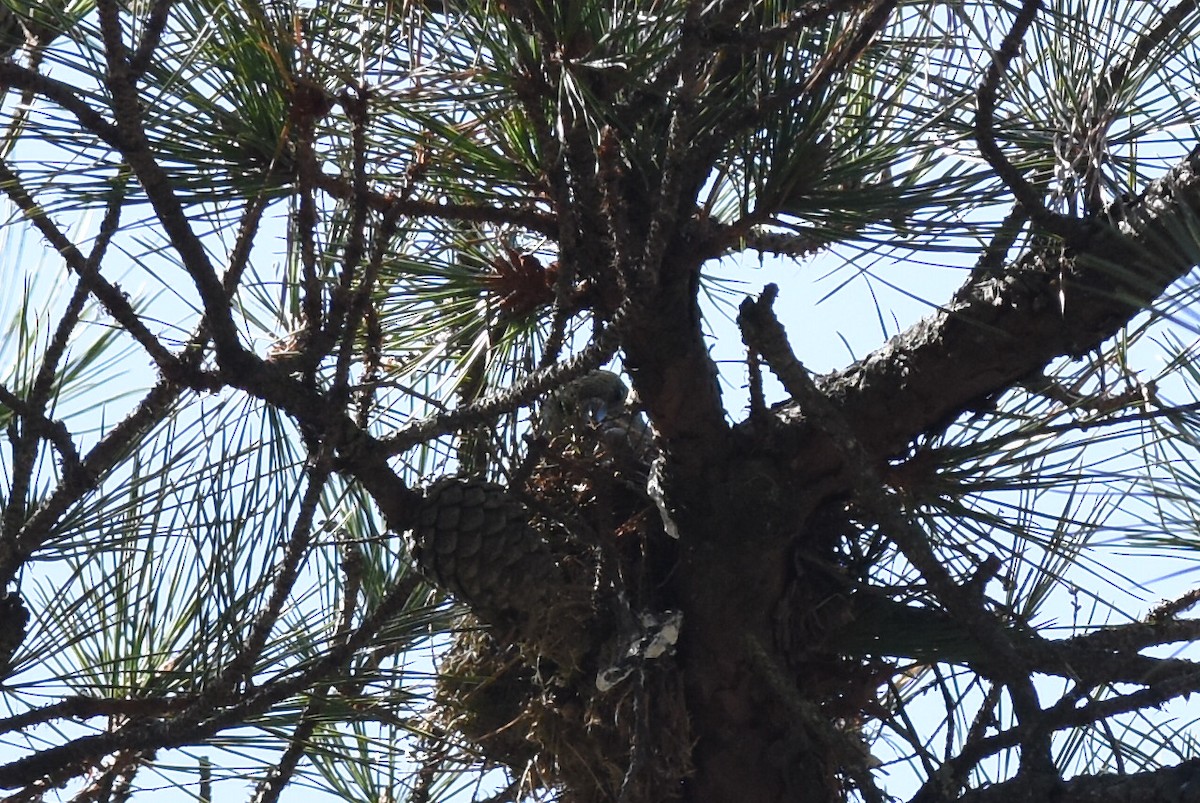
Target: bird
[(597, 409)]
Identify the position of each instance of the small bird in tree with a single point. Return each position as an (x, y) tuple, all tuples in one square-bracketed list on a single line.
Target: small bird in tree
[(597, 409)]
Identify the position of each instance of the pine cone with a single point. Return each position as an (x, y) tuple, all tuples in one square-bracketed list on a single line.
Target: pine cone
[(474, 539)]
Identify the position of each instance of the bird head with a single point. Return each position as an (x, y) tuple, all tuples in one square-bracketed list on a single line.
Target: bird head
[(584, 403)]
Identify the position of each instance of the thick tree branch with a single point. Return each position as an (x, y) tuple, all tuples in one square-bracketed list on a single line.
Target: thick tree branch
[(1178, 784), (763, 332), (998, 329)]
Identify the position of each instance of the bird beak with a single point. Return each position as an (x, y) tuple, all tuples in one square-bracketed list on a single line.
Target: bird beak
[(594, 411)]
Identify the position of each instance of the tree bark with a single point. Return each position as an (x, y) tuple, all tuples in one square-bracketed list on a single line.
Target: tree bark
[(1178, 784)]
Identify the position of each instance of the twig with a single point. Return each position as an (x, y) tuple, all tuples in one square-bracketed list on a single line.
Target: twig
[(797, 246), (114, 301), (1172, 608), (135, 147), (1169, 24), (348, 308), (152, 31), (42, 426), (518, 395), (525, 217), (1027, 196), (288, 571), (43, 385), (675, 161)]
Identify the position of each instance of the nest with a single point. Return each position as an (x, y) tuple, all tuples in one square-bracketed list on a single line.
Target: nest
[(558, 731)]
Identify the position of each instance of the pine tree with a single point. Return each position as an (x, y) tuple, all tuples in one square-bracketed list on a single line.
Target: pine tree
[(366, 429)]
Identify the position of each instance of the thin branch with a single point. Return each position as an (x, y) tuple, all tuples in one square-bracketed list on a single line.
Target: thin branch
[(81, 708), (513, 398), (277, 779), (1026, 194), (135, 147), (1058, 717), (63, 94), (286, 573), (239, 255), (39, 426), (797, 246), (798, 22), (152, 31), (676, 160), (114, 301), (280, 775), (839, 55), (102, 457), (60, 763), (613, 204), (1170, 23), (347, 306), (524, 217), (848, 48), (361, 301), (44, 384)]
